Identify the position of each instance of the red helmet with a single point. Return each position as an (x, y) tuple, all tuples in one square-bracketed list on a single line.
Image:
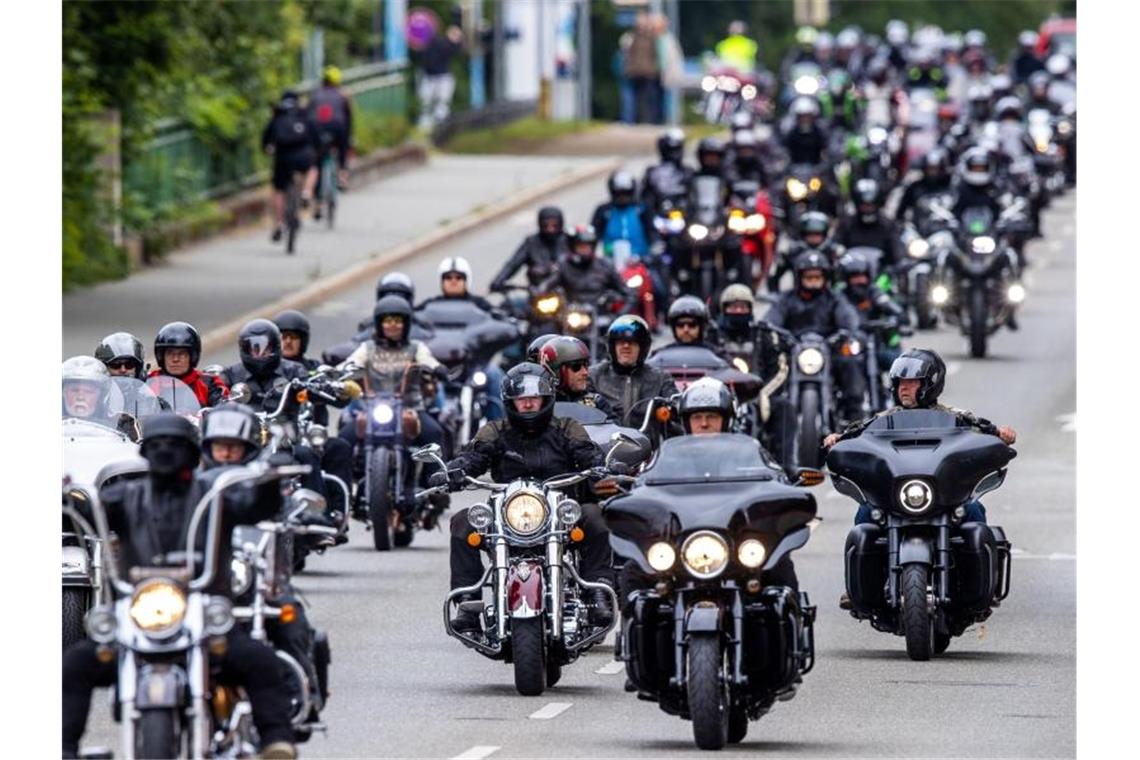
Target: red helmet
[(557, 352)]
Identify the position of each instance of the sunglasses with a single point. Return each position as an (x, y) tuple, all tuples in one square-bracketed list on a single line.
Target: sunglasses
[(687, 325), (121, 364), (577, 366)]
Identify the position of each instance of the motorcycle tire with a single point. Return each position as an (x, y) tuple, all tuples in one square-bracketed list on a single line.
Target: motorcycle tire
[(528, 653), (405, 535), (807, 444), (918, 625), (380, 501), (978, 314), (941, 642), (156, 734), (74, 612), (737, 724), (707, 692), (924, 312)]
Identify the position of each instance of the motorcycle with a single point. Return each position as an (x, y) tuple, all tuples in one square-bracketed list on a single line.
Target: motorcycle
[(918, 571), (921, 240), (977, 281), (709, 641), (162, 626), (922, 129), (537, 619), (726, 91), (812, 391), (1049, 157), (703, 263), (804, 189), (750, 216)]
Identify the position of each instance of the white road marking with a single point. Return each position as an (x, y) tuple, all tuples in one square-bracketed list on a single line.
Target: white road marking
[(477, 752), (611, 668), (1068, 422), (953, 368), (1055, 556), (552, 710)]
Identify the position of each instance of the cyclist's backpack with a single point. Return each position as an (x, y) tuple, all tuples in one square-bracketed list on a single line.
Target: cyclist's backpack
[(290, 130), (326, 104)]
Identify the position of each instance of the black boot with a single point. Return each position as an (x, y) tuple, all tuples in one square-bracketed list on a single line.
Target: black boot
[(466, 620), (601, 611)]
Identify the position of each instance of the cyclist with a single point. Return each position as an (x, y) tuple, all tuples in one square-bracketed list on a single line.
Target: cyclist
[(331, 111), (293, 139)]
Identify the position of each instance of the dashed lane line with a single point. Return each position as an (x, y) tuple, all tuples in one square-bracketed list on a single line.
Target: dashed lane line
[(611, 668), (477, 752), (552, 710)]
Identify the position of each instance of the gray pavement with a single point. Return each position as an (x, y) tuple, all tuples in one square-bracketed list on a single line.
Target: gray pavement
[(402, 688)]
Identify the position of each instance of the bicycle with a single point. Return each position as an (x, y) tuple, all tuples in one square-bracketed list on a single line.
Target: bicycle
[(292, 209), (328, 185)]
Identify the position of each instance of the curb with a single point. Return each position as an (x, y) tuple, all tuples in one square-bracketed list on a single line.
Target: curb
[(224, 335)]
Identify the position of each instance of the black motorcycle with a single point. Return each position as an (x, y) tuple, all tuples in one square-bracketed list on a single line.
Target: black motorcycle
[(708, 640), (707, 257), (918, 571), (813, 392)]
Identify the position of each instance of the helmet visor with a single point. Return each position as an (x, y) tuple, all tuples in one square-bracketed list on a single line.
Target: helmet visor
[(528, 385), (910, 368), (258, 346)]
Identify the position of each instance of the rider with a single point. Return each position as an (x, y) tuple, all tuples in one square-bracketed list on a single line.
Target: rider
[(293, 138), (813, 307), (89, 394), (688, 318), (746, 163), (177, 349), (868, 226), (624, 378), (1038, 97), (454, 280), (935, 178), (871, 303), (122, 353), (530, 443), (623, 220), (671, 176), (582, 275), (1025, 62), (711, 154), (737, 51), (538, 252), (813, 229), (150, 518), (330, 111), (568, 360), (805, 140), (976, 186), (924, 73)]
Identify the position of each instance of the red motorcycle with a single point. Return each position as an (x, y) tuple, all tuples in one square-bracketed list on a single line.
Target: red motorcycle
[(750, 216), (637, 278)]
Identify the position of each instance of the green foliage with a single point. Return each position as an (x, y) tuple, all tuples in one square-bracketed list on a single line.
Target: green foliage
[(520, 136), (374, 131)]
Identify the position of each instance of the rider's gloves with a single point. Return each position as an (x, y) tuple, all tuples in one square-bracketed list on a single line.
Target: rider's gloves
[(618, 468)]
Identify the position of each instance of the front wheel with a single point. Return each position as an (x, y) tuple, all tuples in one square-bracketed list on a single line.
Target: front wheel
[(527, 640), (156, 734), (918, 623), (924, 312), (707, 692), (978, 318), (74, 609), (380, 498), (809, 439)]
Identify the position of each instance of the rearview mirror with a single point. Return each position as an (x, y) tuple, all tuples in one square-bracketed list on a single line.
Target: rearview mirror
[(427, 453), (619, 439), (309, 501), (240, 393)]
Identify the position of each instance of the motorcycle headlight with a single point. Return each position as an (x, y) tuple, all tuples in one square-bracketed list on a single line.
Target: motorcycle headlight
[(876, 135), (479, 515), (661, 556), (751, 553), (810, 361), (814, 184), (708, 84), (382, 414), (748, 92), (218, 616), (1042, 146), (698, 231), (754, 223), (241, 576), (525, 513), (705, 554), (983, 244), (915, 496), (1016, 293), (740, 364), (569, 512), (578, 320), (158, 606), (939, 295), (736, 223), (479, 379), (797, 190), (318, 435), (806, 85), (1064, 128), (917, 248), (547, 305), (635, 282)]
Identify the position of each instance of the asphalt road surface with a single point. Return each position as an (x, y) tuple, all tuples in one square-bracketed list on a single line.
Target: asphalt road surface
[(402, 688)]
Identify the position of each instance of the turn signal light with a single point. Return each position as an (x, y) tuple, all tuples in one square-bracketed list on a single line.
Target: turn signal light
[(663, 414), (474, 539), (577, 534), (104, 653), (809, 477), (302, 396), (288, 613), (217, 646)]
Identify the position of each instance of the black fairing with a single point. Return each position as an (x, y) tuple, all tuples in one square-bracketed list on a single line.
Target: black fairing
[(720, 482), (925, 444), (601, 429), (459, 320)]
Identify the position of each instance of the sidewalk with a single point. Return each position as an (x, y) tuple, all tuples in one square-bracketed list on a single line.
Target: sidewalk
[(214, 283)]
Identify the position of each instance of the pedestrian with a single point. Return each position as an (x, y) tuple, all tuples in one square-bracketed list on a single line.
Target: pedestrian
[(642, 71), (627, 104), (671, 62), (437, 83)]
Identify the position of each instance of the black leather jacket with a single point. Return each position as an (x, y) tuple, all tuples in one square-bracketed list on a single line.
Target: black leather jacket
[(825, 313), (624, 388), (586, 284), (266, 389), (536, 255)]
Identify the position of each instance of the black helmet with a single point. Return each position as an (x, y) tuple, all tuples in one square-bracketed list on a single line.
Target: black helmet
[(529, 379), (1008, 107), (534, 348), (170, 444), (807, 261), (851, 264), (936, 163), (708, 147), (671, 146), (814, 222), (560, 350), (689, 307), (582, 234), (866, 195), (259, 344), (622, 184), (628, 327), (391, 306), (547, 213), (235, 422), (707, 395), (919, 364), (177, 335), (294, 321), (122, 346), (396, 284)]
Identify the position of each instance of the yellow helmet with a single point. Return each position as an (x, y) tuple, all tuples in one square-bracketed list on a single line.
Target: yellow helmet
[(332, 75)]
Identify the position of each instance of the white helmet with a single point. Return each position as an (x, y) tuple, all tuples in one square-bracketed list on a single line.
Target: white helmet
[(88, 370), (455, 264)]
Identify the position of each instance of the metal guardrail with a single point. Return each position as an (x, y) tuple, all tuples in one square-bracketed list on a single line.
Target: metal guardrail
[(177, 166)]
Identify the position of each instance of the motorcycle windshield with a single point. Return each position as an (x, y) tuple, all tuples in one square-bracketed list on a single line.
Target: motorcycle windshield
[(686, 357), (977, 220), (601, 429), (720, 482), (926, 444), (176, 394), (707, 199), (923, 110), (451, 314)]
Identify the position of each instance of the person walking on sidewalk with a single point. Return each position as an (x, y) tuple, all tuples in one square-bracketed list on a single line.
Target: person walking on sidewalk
[(437, 83), (671, 62), (643, 72)]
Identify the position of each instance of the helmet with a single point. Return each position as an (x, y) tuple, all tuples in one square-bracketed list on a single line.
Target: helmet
[(582, 234), (710, 146), (528, 379), (952, 43), (559, 351), (396, 283), (1027, 39), (622, 184), (804, 106), (177, 335), (736, 293), (122, 346), (805, 37), (235, 422), (1001, 85), (938, 160), (707, 395), (87, 370), (628, 327), (289, 101), (847, 39), (850, 265), (744, 146), (922, 57), (897, 33), (919, 364), (824, 43), (548, 213), (1058, 64), (1008, 107), (331, 75), (292, 320), (741, 120), (814, 222), (170, 444), (974, 38), (454, 264), (534, 348), (259, 344), (1038, 83), (671, 145), (979, 96), (877, 69), (391, 306), (806, 262), (976, 167), (866, 193), (736, 27), (689, 307)]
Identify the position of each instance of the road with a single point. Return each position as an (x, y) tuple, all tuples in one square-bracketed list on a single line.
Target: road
[(402, 688)]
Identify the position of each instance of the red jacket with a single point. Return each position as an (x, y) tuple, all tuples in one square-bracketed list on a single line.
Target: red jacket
[(209, 389)]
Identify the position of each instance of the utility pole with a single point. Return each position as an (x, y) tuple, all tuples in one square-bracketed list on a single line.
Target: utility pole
[(585, 62), (543, 79)]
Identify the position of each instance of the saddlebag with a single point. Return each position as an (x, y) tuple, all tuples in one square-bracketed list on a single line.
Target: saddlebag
[(648, 643), (976, 567), (777, 637), (866, 567)]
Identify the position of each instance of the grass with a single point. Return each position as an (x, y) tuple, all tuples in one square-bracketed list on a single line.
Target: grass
[(522, 135)]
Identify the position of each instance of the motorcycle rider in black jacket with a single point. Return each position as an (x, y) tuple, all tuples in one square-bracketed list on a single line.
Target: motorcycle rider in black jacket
[(671, 176), (935, 167), (531, 442), (813, 229), (805, 140), (582, 275), (537, 252), (568, 360), (868, 226), (624, 379), (150, 517)]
